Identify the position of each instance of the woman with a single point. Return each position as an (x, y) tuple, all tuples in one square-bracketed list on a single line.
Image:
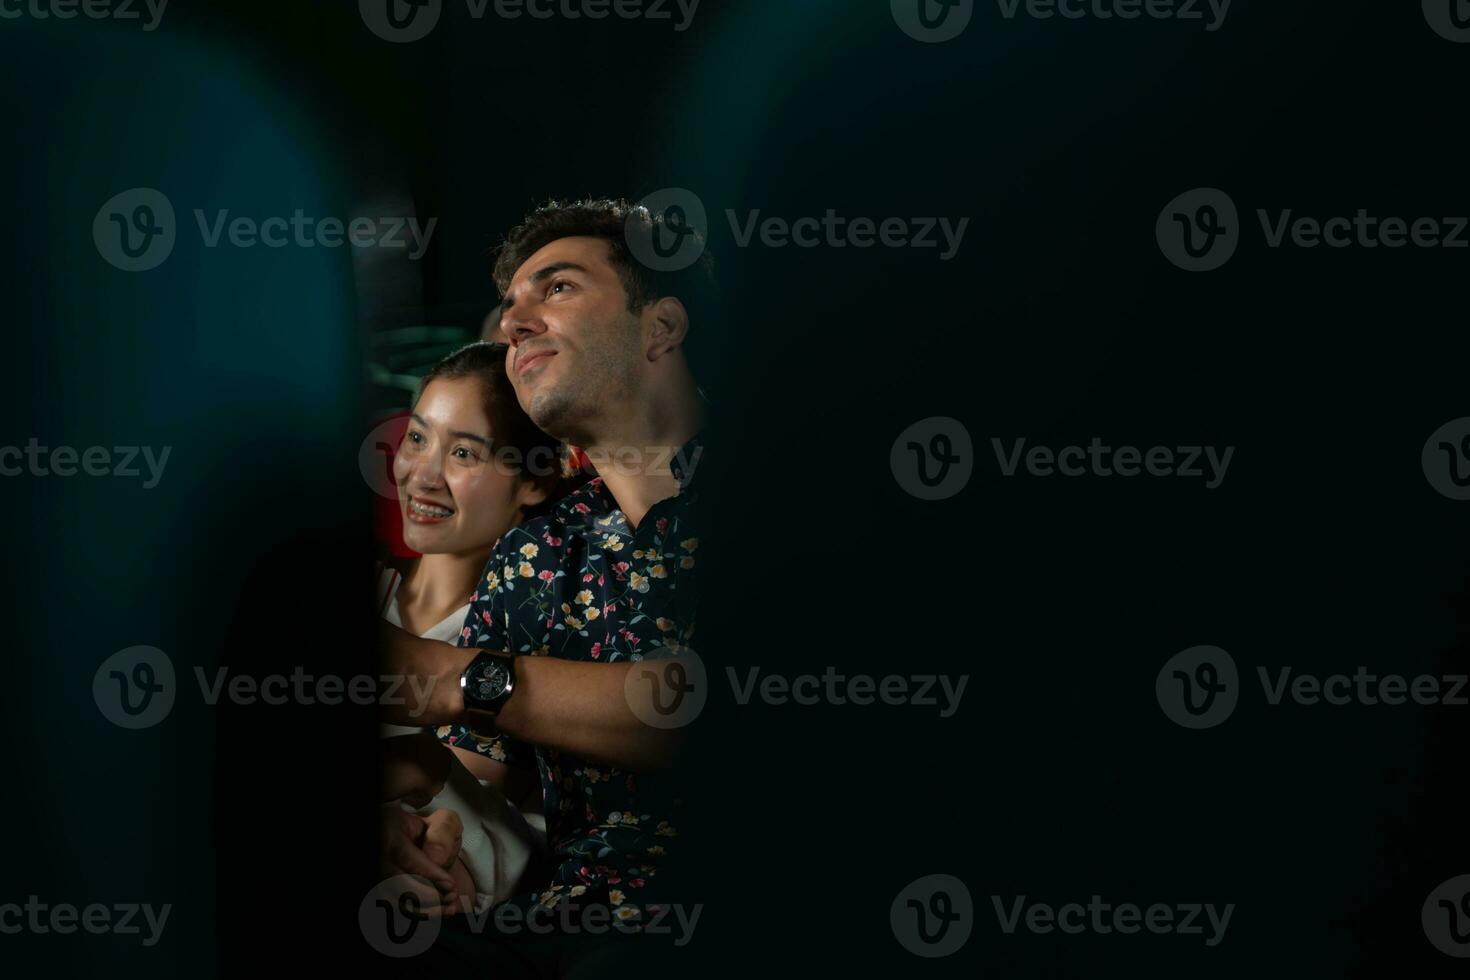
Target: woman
[(471, 466)]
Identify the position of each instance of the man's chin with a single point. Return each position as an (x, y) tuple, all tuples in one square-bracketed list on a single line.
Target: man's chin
[(553, 412)]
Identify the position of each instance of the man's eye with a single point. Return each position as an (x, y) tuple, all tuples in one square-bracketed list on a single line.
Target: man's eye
[(558, 286)]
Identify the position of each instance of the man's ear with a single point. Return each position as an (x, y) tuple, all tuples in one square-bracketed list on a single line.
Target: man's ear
[(669, 325)]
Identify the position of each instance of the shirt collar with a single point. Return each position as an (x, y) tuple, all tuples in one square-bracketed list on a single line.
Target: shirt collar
[(594, 500)]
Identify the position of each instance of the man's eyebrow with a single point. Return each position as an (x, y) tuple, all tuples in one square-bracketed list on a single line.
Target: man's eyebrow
[(458, 435), (541, 275)]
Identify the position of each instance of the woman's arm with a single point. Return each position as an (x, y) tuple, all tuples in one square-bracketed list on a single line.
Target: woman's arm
[(516, 783)]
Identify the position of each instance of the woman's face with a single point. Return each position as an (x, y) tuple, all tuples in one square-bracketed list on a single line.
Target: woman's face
[(452, 495)]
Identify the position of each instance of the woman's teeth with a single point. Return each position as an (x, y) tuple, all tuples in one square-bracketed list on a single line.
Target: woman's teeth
[(429, 510)]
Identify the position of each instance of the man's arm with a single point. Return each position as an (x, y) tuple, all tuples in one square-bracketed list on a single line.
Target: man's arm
[(572, 706)]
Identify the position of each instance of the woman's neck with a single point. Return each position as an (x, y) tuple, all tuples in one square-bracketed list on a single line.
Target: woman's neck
[(436, 585)]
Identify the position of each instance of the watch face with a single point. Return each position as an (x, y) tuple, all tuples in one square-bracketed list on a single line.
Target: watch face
[(491, 682)]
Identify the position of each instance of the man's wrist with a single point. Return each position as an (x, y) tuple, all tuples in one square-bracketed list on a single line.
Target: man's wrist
[(487, 685)]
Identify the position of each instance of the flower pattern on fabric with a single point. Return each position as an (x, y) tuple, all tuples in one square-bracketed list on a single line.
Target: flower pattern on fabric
[(581, 584)]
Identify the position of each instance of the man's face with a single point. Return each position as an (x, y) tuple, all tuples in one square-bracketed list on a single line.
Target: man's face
[(575, 350)]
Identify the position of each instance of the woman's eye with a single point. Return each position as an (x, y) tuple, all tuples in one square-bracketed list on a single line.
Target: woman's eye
[(464, 453), (414, 438)]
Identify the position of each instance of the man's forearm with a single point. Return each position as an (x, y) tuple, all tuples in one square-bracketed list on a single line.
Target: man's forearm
[(581, 708), (425, 674), (572, 706)]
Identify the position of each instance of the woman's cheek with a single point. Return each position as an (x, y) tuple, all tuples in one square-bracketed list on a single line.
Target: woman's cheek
[(402, 466)]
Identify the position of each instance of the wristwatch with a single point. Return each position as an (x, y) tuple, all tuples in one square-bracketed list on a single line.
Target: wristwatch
[(487, 683)]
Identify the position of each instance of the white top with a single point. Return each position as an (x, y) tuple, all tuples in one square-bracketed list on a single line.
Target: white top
[(496, 846), (447, 630)]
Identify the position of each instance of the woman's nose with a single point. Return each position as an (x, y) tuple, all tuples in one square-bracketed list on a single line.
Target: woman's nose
[(427, 472)]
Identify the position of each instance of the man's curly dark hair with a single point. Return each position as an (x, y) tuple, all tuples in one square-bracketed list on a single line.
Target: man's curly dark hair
[(609, 219)]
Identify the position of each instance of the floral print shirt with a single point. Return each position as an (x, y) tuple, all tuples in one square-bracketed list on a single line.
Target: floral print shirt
[(581, 584)]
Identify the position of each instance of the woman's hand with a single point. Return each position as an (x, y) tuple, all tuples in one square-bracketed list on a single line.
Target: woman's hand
[(400, 854), (414, 768)]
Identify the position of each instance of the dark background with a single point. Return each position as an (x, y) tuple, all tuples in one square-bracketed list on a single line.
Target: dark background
[(1059, 320)]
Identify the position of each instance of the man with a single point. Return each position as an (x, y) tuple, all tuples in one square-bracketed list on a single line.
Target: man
[(571, 602)]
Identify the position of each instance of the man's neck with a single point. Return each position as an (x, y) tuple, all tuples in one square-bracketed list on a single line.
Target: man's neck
[(651, 434)]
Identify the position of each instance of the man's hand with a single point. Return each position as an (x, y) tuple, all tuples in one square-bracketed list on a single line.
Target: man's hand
[(414, 768), (400, 854)]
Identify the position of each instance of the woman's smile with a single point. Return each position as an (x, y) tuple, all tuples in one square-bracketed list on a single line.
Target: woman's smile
[(421, 511)]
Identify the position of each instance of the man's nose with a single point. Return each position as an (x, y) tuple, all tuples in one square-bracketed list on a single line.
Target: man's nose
[(517, 324)]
